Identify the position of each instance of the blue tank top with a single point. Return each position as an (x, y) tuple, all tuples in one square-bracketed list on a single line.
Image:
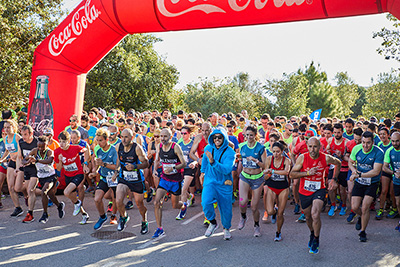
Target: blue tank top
[(13, 146), (186, 150), (254, 152)]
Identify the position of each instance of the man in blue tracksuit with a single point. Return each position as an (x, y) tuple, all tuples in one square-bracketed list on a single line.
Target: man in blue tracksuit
[(216, 174)]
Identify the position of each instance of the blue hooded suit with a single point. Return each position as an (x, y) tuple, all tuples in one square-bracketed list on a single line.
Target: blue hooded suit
[(218, 182)]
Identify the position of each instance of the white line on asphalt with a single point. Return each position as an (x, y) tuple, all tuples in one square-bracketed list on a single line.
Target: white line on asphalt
[(145, 245), (193, 218)]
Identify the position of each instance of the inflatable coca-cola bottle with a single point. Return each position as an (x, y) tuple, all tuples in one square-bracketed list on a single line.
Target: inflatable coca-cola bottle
[(41, 113)]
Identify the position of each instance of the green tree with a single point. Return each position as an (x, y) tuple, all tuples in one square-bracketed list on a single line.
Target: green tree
[(290, 94), (323, 95), (390, 46), (23, 25), (382, 97), (347, 93), (132, 75), (360, 102)]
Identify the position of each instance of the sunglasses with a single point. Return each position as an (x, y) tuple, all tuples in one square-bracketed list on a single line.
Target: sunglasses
[(93, 121), (72, 120), (156, 136), (185, 133), (218, 137), (302, 133), (47, 134), (290, 130), (113, 133)]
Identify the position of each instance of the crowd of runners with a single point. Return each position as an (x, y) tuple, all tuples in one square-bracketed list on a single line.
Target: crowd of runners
[(135, 158)]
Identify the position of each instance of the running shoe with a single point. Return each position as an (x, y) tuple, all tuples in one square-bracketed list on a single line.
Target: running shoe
[(145, 195), (311, 241), (100, 223), (315, 247), (1, 205), (278, 237), (77, 208), (273, 217), (190, 200), (17, 212), (392, 214), (211, 229), (129, 205), (331, 212), (28, 219), (351, 217), (182, 212), (149, 197), (144, 228), (113, 219), (301, 219), (61, 212), (122, 223), (158, 233), (50, 203), (89, 189), (206, 222), (363, 236), (249, 204), (44, 218), (109, 207), (343, 211), (379, 214), (296, 209), (3, 196), (85, 218), (166, 198), (215, 205), (358, 224), (372, 208), (265, 217), (397, 227), (242, 223), (227, 234), (236, 194), (257, 231)]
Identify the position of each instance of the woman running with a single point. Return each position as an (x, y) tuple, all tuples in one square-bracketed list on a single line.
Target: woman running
[(278, 185), (251, 178)]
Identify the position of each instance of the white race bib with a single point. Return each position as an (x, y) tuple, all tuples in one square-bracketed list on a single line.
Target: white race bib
[(110, 182), (364, 181), (278, 178), (11, 148), (71, 167), (249, 164), (130, 176), (312, 186), (169, 166)]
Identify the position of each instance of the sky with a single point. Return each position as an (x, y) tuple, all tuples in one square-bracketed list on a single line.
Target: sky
[(268, 51)]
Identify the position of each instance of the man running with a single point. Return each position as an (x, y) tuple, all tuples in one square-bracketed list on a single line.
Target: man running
[(309, 168), (131, 162), (366, 162), (170, 156)]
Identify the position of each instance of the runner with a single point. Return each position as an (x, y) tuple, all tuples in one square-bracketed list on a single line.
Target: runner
[(216, 177), (277, 185), (392, 166), (309, 169), (350, 184), (170, 156), (11, 143), (105, 164), (74, 125), (113, 139), (386, 180), (25, 146), (43, 158), (131, 162), (186, 144), (337, 147), (67, 159), (3, 166), (253, 157), (366, 162), (349, 125)]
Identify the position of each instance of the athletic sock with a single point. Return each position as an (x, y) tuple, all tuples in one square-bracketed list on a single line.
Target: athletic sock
[(343, 205), (256, 224), (30, 212), (333, 204), (312, 233), (103, 216), (243, 215), (316, 238), (77, 202), (213, 221)]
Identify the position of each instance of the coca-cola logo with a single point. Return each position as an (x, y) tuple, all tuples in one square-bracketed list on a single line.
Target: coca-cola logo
[(235, 5), (80, 21), (41, 125)]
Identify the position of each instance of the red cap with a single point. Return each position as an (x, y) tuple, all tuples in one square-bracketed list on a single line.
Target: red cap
[(309, 133)]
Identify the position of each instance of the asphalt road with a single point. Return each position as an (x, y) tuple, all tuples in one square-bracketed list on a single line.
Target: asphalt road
[(67, 243)]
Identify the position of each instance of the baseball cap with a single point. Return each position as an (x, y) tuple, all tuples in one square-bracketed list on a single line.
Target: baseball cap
[(102, 112), (309, 133), (48, 131)]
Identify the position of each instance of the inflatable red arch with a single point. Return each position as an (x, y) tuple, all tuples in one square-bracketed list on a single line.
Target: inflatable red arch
[(63, 59)]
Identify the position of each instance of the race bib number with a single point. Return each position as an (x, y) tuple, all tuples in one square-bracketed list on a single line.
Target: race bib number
[(312, 186), (249, 164), (130, 176), (364, 181), (71, 167), (331, 167), (169, 166), (278, 178), (186, 157), (26, 152), (11, 148), (110, 182)]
